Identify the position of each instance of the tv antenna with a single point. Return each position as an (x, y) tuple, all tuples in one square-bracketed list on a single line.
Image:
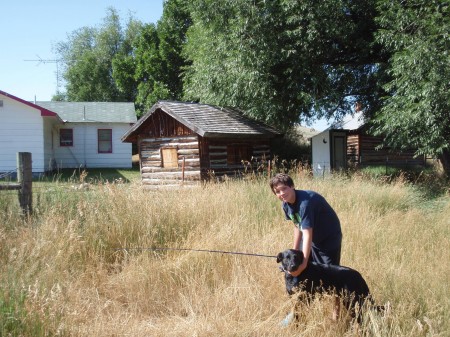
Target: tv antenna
[(40, 60)]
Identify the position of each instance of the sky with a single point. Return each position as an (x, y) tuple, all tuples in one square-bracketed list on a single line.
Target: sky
[(30, 30)]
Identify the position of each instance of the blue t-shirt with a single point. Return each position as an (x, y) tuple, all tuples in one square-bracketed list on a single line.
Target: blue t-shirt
[(311, 210)]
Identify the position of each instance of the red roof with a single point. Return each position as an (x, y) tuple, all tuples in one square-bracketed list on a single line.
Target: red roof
[(44, 112)]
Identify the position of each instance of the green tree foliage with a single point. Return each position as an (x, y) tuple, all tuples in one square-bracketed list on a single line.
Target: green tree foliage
[(145, 69), (172, 28), (156, 62), (282, 61), (141, 63), (416, 111), (123, 64), (88, 56)]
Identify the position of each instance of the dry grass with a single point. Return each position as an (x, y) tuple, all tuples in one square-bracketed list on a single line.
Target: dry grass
[(64, 265)]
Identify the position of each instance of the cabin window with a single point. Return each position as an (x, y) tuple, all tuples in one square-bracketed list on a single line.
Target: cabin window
[(238, 153), (66, 137), (104, 141), (169, 157)]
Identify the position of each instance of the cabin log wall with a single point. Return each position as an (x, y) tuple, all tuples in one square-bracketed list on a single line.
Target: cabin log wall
[(361, 150), (215, 157), (152, 170)]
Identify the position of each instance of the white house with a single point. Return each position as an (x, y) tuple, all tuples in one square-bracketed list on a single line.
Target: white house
[(64, 134), (91, 134)]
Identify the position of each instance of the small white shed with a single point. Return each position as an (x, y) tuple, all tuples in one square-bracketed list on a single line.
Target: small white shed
[(329, 151), (329, 148)]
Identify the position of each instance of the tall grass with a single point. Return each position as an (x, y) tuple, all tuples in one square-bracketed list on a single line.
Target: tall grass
[(62, 274)]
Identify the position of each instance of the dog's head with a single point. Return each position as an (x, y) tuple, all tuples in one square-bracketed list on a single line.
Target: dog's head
[(290, 259)]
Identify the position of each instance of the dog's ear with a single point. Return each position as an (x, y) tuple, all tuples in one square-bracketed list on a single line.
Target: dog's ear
[(279, 257)]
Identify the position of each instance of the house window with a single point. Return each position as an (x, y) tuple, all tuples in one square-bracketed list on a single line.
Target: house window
[(236, 153), (104, 141), (66, 137), (169, 157)]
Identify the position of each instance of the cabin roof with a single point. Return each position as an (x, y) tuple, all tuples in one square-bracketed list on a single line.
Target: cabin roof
[(207, 121)]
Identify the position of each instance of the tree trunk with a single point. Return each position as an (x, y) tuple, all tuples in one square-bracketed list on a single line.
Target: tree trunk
[(444, 158)]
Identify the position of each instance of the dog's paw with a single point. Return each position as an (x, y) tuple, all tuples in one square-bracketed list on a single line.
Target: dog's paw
[(287, 320)]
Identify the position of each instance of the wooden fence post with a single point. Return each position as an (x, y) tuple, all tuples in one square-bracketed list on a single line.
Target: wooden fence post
[(25, 178)]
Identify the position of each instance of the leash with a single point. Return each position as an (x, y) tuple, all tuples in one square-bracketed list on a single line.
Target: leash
[(197, 250)]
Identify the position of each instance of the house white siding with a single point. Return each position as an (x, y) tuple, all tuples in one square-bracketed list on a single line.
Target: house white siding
[(84, 152), (35, 128), (49, 155), (21, 130)]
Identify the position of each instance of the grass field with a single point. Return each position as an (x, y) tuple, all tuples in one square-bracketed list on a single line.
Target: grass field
[(62, 272)]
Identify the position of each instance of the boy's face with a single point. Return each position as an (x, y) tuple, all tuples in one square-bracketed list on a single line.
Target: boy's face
[(285, 193)]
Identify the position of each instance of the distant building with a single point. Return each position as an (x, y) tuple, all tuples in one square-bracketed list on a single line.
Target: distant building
[(348, 144)]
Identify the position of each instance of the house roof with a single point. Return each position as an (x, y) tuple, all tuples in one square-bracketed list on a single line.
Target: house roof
[(44, 112), (351, 121), (207, 121), (92, 112)]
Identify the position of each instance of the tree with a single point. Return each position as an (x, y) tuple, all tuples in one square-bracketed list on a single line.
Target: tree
[(88, 55), (416, 111), (171, 29), (282, 61), (123, 63), (151, 68)]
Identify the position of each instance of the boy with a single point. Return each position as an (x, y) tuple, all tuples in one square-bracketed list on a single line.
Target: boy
[(317, 229)]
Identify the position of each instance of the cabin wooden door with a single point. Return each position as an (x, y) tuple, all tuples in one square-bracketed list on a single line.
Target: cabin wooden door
[(169, 157)]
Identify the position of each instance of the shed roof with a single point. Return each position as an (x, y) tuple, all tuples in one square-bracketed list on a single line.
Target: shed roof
[(92, 112), (207, 121)]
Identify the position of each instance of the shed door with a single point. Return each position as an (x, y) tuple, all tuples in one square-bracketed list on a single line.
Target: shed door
[(339, 153), (169, 157)]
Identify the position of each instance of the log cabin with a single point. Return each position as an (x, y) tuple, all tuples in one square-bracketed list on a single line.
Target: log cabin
[(185, 143), (364, 149)]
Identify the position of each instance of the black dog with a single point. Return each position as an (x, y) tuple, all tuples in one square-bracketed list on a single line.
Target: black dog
[(345, 282)]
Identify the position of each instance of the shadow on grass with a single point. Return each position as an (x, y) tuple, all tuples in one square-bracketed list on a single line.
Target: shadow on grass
[(431, 184), (93, 175)]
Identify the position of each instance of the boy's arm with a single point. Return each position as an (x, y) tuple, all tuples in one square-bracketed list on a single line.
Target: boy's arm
[(306, 248), (297, 238), (307, 243)]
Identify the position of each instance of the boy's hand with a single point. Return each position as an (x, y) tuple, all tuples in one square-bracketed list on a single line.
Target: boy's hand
[(300, 269)]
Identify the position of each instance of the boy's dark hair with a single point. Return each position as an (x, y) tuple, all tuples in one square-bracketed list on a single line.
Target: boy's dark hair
[(281, 178)]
